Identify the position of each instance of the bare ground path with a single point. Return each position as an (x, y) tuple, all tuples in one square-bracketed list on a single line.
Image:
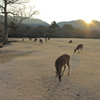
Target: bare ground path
[(27, 71)]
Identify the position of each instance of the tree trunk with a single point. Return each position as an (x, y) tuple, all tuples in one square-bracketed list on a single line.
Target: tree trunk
[(5, 24), (5, 39)]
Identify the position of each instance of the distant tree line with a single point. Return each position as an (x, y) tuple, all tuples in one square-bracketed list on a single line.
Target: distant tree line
[(53, 31)]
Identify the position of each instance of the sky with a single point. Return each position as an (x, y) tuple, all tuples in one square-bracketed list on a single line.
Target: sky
[(67, 10)]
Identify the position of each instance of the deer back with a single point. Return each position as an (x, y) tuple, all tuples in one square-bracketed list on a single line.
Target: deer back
[(61, 61)]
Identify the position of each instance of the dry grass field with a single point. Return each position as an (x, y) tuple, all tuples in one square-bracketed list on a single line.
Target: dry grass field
[(27, 70)]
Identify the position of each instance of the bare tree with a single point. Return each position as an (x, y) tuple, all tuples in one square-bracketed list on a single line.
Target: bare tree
[(18, 14)]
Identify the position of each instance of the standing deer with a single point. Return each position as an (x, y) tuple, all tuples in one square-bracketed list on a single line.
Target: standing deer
[(59, 63), (79, 47)]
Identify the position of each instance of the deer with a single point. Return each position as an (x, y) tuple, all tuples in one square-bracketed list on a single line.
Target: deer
[(61, 62), (79, 47), (40, 40), (35, 40), (70, 41)]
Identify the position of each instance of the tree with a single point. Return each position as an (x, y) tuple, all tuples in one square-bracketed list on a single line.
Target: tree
[(54, 25), (68, 27), (18, 14)]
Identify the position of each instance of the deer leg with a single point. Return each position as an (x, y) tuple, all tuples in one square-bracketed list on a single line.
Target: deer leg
[(63, 71), (78, 50), (68, 68), (82, 50), (56, 74)]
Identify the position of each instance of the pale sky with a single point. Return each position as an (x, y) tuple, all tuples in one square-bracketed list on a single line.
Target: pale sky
[(67, 10)]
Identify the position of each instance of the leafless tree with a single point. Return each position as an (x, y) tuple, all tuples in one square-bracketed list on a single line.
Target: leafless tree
[(17, 12)]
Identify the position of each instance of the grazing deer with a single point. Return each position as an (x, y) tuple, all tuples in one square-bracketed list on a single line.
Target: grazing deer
[(70, 41), (40, 40), (35, 39), (79, 47), (59, 63)]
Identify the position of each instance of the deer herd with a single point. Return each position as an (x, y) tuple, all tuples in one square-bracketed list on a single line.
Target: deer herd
[(63, 60), (35, 40)]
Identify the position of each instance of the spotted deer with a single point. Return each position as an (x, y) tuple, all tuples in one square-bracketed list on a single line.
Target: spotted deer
[(79, 48), (61, 62)]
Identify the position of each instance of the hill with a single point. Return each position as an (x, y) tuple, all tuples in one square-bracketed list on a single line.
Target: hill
[(29, 22), (94, 25), (35, 22)]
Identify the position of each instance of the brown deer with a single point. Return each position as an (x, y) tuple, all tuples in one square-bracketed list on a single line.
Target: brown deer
[(79, 47), (70, 41), (59, 63), (40, 40), (35, 40)]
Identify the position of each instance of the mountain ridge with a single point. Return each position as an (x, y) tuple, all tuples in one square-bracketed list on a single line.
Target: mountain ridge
[(94, 25)]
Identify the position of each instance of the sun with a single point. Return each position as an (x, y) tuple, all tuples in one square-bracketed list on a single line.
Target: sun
[(88, 21)]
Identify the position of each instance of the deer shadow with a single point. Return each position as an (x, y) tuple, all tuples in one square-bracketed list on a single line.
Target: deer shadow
[(55, 87), (75, 60)]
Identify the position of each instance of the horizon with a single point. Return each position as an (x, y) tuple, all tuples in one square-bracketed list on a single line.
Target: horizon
[(67, 21)]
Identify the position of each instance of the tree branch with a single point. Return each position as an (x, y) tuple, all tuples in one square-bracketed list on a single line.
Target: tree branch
[(16, 2), (13, 2), (1, 7)]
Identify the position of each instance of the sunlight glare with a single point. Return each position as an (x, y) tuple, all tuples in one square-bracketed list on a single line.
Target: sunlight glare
[(88, 21)]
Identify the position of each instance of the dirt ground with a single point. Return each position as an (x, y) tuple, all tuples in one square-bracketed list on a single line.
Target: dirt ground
[(27, 70)]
